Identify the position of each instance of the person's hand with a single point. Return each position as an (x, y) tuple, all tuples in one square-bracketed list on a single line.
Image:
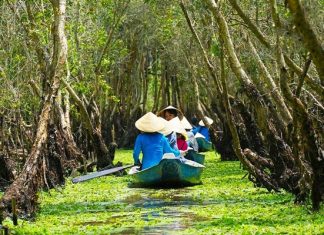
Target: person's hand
[(183, 152), (138, 163)]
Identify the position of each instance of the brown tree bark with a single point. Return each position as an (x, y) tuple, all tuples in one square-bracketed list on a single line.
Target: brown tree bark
[(248, 86), (25, 187), (310, 156), (93, 127), (310, 40), (6, 170), (277, 97), (318, 88)]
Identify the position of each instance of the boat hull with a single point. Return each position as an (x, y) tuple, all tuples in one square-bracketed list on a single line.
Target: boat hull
[(194, 156), (169, 172), (204, 145)]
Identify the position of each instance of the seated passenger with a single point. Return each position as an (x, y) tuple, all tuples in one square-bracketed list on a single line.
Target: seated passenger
[(168, 114), (202, 135), (168, 132), (151, 143), (202, 129), (178, 128), (175, 126), (191, 141), (181, 142)]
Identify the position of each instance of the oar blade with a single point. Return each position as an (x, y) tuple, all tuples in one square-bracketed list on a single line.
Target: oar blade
[(98, 174)]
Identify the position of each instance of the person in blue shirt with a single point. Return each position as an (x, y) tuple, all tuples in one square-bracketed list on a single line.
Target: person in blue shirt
[(202, 129), (150, 142), (201, 133)]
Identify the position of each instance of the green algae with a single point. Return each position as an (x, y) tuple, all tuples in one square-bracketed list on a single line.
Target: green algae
[(226, 203)]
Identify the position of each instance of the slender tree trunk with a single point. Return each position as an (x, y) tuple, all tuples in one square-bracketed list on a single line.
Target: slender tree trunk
[(318, 88), (73, 154), (211, 71), (243, 157), (309, 38), (248, 86), (277, 97), (310, 154), (104, 158)]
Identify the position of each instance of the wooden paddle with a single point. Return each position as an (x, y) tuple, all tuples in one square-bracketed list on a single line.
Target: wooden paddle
[(99, 173)]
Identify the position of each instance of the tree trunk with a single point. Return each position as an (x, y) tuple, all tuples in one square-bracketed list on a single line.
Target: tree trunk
[(310, 155), (6, 170), (24, 188), (309, 38), (93, 127), (72, 154), (318, 88)]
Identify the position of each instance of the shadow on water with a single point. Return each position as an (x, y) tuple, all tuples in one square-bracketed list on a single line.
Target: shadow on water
[(170, 217), (163, 185), (160, 207), (180, 221), (161, 198), (164, 211)]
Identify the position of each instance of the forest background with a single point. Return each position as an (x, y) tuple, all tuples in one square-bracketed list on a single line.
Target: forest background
[(76, 75)]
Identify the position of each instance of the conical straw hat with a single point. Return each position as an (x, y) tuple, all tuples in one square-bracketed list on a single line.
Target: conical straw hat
[(149, 123), (185, 123), (167, 130), (161, 113), (209, 121), (174, 125), (177, 126)]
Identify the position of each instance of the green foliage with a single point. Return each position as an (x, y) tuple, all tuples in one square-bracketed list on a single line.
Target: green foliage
[(224, 204), (215, 48)]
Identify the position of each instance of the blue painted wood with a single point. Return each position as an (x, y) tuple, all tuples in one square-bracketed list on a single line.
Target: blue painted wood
[(194, 156), (169, 172), (204, 145)]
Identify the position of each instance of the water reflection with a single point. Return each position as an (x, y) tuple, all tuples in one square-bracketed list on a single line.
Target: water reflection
[(167, 215)]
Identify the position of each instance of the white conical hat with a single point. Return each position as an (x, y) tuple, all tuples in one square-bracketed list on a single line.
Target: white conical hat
[(185, 123), (177, 126), (209, 121), (167, 127), (149, 123), (169, 107), (174, 125), (161, 113)]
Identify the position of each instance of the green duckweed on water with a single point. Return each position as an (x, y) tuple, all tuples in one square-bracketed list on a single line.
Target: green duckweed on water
[(226, 203)]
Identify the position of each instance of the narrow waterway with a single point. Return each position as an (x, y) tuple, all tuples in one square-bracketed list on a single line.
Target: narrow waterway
[(225, 203)]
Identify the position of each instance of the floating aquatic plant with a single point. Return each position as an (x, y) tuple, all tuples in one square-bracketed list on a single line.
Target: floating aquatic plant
[(226, 203)]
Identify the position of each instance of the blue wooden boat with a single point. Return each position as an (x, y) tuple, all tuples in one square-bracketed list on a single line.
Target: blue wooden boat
[(194, 156), (171, 171), (204, 145)]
